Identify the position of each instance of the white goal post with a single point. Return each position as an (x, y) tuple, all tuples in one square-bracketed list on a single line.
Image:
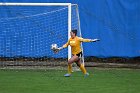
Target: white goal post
[(69, 16)]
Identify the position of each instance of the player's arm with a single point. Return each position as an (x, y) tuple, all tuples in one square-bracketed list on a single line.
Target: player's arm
[(60, 48), (64, 46), (88, 40)]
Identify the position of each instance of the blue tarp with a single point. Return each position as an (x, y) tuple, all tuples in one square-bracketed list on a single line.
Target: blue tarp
[(115, 22)]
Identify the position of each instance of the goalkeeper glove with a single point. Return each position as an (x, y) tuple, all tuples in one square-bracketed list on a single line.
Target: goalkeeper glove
[(94, 40), (57, 49)]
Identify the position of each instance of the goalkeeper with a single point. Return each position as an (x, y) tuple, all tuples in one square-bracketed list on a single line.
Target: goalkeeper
[(75, 43)]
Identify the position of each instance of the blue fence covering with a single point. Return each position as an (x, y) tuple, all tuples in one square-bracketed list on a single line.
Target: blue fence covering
[(115, 22)]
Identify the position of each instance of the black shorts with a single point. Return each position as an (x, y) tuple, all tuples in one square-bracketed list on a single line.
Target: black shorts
[(79, 54)]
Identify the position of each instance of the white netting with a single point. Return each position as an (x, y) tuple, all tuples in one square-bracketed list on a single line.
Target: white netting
[(27, 33)]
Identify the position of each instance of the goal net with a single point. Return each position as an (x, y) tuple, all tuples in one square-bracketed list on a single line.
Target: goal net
[(27, 31)]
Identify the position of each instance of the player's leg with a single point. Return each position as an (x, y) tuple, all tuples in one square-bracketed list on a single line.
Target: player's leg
[(81, 66), (78, 63), (70, 61)]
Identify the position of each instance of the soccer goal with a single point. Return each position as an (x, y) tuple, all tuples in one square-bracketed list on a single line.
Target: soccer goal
[(28, 30)]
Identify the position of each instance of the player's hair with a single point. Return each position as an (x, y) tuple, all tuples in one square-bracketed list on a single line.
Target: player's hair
[(74, 31)]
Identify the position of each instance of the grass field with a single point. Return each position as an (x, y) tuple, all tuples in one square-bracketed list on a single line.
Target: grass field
[(52, 81)]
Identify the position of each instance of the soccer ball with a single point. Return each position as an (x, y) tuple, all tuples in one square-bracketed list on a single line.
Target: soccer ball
[(54, 46)]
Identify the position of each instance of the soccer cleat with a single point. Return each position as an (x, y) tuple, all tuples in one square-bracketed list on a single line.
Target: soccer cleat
[(86, 75), (67, 75)]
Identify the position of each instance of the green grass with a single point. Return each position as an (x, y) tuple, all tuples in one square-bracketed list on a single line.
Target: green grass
[(52, 81)]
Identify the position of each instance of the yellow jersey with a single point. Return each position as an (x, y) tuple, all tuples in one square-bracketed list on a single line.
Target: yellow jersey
[(75, 44)]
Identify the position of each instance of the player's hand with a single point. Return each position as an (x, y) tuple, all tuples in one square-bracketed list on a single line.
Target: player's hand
[(94, 40), (57, 49)]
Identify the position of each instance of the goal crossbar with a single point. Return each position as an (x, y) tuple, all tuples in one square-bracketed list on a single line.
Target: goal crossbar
[(35, 4)]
